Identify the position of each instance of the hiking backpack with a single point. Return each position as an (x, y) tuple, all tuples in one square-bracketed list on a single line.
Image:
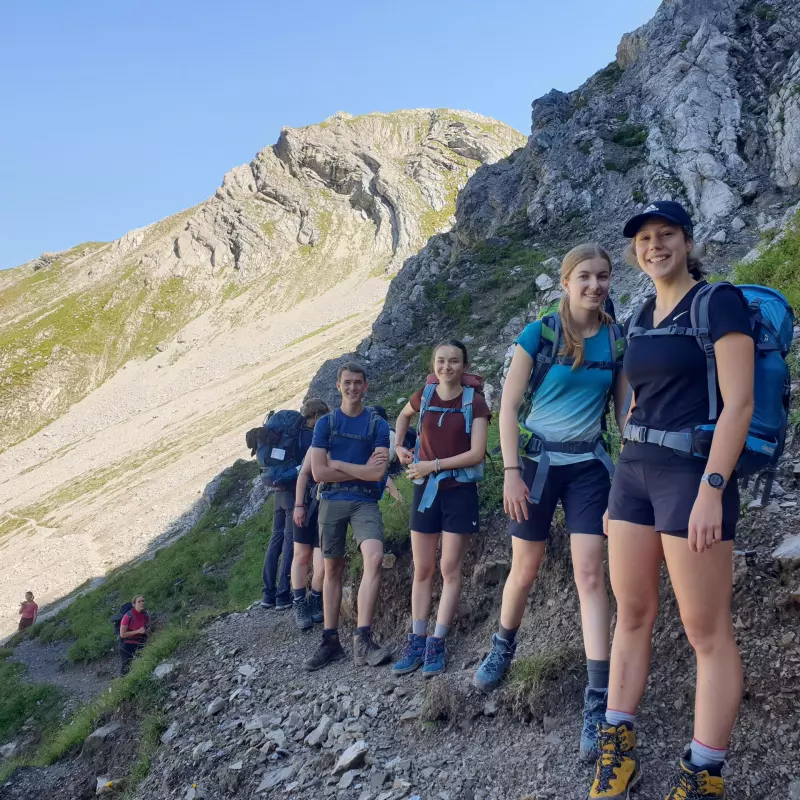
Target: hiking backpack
[(772, 320), (547, 354), (473, 474), (279, 447), (116, 620)]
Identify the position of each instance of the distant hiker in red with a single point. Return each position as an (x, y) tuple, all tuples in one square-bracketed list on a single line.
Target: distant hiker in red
[(133, 630), (28, 611)]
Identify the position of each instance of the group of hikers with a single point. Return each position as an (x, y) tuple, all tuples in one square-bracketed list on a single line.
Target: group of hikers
[(686, 414)]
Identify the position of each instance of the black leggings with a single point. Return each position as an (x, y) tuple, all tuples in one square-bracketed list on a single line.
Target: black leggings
[(127, 650)]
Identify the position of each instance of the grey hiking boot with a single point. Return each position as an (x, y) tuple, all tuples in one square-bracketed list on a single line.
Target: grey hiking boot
[(314, 602), (330, 650), (302, 614), (367, 651), (594, 712)]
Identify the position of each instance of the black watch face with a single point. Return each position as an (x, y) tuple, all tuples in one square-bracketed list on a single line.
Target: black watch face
[(715, 480)]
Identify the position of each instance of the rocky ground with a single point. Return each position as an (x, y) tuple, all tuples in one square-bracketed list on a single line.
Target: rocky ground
[(242, 719)]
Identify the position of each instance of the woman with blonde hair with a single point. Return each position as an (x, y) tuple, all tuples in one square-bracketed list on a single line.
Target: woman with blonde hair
[(564, 370)]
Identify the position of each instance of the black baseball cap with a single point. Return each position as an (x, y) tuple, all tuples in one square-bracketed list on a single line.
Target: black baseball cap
[(667, 209)]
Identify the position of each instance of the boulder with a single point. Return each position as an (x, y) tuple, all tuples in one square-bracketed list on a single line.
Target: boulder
[(164, 670), (215, 706), (787, 554), (170, 733), (351, 758), (544, 282), (95, 740), (490, 573)]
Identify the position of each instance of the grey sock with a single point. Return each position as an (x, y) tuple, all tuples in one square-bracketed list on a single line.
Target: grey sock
[(419, 627), (598, 673), (617, 717), (440, 631), (705, 756), (508, 634)]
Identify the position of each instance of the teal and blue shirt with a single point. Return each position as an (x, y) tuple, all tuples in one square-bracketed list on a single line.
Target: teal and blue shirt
[(569, 405)]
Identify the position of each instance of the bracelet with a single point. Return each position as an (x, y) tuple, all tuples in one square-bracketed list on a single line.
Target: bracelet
[(509, 469), (436, 468), (301, 506)]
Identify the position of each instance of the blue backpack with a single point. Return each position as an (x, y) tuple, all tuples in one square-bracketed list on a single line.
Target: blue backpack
[(473, 474), (280, 449), (772, 319)]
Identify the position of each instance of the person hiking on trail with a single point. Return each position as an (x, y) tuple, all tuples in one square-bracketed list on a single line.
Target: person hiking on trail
[(452, 442), (349, 456), (672, 506), (564, 369), (281, 546), (133, 630), (28, 611), (307, 608)]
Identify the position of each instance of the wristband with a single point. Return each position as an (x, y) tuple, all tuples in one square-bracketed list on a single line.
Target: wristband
[(303, 506), (436, 468), (509, 469)]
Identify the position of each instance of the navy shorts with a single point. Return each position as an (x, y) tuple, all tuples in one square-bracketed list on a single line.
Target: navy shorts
[(582, 489), (648, 494), (309, 533), (454, 510)]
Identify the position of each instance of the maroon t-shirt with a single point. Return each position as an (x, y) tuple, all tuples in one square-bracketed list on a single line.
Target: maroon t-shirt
[(450, 438)]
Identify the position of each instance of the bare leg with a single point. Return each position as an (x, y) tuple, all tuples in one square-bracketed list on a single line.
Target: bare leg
[(300, 564), (372, 554), (332, 591), (703, 585), (454, 546), (318, 575), (590, 578), (423, 548), (525, 562), (634, 557)]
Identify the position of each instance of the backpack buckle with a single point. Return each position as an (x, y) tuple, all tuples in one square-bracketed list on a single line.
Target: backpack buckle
[(636, 433), (708, 348)]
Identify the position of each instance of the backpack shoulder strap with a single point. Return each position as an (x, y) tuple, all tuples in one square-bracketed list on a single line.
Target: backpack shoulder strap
[(425, 402), (701, 322), (635, 321), (547, 352), (372, 428), (467, 398), (332, 429)]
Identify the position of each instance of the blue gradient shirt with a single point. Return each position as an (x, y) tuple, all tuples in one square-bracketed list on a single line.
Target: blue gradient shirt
[(569, 405)]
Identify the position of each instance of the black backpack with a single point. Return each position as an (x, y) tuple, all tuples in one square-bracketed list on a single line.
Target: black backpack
[(116, 620), (279, 447)]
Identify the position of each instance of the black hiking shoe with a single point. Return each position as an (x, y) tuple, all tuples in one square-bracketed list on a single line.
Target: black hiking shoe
[(367, 651), (283, 605), (329, 650), (315, 607), (302, 614)]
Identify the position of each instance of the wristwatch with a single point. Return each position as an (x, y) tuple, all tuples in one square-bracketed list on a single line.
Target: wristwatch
[(714, 480)]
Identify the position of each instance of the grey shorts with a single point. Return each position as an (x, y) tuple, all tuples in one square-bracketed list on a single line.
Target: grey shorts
[(334, 517)]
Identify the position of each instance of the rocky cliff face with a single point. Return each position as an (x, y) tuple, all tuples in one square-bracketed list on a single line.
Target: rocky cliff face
[(701, 104), (349, 198)]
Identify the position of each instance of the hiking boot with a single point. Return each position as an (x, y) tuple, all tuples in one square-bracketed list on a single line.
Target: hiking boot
[(617, 770), (594, 714), (315, 607), (283, 604), (495, 665), (267, 603), (434, 657), (693, 783), (413, 656), (329, 650), (302, 614), (367, 651)]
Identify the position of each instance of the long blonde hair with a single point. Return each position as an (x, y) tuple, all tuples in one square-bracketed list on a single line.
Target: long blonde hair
[(572, 337)]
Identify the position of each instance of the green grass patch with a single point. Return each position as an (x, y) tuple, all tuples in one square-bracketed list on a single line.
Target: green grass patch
[(778, 265), (532, 678), (630, 136), (203, 570), (21, 700)]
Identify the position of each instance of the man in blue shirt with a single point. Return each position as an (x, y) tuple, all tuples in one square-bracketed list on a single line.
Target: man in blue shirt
[(349, 457)]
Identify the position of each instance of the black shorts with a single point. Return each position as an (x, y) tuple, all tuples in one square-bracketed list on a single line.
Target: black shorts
[(582, 489), (647, 494), (454, 510), (309, 533)]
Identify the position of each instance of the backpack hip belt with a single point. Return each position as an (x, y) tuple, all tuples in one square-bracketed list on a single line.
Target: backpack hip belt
[(463, 475), (369, 491), (531, 445)]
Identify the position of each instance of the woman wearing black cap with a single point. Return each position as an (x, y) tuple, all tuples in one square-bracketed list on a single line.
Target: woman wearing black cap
[(670, 505)]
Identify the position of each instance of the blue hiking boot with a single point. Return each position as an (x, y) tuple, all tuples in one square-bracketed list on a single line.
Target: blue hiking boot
[(434, 657), (495, 665), (594, 712), (413, 656)]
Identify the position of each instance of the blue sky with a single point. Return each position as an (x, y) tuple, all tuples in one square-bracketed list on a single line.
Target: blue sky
[(119, 114)]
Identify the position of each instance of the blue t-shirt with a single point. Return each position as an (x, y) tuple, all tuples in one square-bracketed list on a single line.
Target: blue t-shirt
[(569, 405), (354, 451)]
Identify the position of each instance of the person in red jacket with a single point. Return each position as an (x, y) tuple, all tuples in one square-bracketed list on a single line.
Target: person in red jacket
[(133, 631), (28, 610)]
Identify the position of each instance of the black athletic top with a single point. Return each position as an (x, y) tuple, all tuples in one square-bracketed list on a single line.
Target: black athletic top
[(668, 374)]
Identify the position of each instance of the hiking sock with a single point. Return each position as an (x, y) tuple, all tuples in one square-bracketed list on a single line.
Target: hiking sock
[(364, 632), (419, 627), (315, 593), (508, 635), (299, 595), (598, 673), (705, 756), (617, 717), (440, 631), (329, 633)]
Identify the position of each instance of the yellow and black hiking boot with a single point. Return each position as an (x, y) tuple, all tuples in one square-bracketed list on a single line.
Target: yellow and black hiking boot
[(695, 783), (617, 769)]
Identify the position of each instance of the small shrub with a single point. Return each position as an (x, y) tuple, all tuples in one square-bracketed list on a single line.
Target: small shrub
[(535, 681), (608, 77), (685, 45), (630, 136), (638, 196), (612, 166)]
